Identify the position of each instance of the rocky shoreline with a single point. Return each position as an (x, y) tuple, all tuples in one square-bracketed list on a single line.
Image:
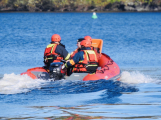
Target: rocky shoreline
[(111, 7)]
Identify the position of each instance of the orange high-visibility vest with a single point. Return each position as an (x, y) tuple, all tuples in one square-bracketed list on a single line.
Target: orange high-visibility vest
[(50, 53), (90, 61)]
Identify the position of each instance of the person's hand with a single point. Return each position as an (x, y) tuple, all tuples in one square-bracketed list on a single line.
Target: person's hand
[(63, 66)]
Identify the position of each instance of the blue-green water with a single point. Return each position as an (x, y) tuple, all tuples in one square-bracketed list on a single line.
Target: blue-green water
[(132, 40)]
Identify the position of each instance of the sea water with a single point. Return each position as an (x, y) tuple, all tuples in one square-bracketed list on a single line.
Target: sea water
[(132, 40)]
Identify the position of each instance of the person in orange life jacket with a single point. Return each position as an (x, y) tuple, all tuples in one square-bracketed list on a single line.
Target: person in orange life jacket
[(55, 52), (85, 60), (78, 47), (95, 49), (69, 69), (89, 38)]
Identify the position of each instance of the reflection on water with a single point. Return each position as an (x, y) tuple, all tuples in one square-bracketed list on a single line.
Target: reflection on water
[(94, 111)]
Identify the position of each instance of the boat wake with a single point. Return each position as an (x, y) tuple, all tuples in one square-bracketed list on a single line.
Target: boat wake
[(13, 84), (136, 77)]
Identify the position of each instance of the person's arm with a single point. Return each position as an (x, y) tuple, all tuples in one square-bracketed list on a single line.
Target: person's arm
[(62, 52), (78, 56)]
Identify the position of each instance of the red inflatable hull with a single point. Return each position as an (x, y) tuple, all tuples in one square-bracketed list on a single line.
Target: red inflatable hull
[(36, 73), (107, 70)]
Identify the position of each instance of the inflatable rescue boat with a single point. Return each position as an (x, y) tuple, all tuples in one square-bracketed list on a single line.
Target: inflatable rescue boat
[(107, 69)]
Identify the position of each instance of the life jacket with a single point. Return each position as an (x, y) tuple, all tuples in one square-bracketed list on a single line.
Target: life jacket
[(96, 51), (50, 55), (89, 64), (74, 52)]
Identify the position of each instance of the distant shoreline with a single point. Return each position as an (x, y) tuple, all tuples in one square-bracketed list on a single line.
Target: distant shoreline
[(111, 7), (82, 12)]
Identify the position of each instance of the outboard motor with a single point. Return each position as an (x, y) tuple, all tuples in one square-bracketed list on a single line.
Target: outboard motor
[(56, 71)]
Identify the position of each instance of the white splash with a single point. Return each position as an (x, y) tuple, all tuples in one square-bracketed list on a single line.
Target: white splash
[(135, 77), (12, 84)]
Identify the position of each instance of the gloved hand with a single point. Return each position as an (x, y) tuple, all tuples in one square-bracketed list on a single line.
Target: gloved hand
[(63, 66)]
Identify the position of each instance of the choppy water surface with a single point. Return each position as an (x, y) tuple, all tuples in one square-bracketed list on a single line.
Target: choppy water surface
[(132, 40)]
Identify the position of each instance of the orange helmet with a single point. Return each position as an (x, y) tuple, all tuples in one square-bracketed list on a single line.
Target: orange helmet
[(85, 43), (88, 38), (55, 38)]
